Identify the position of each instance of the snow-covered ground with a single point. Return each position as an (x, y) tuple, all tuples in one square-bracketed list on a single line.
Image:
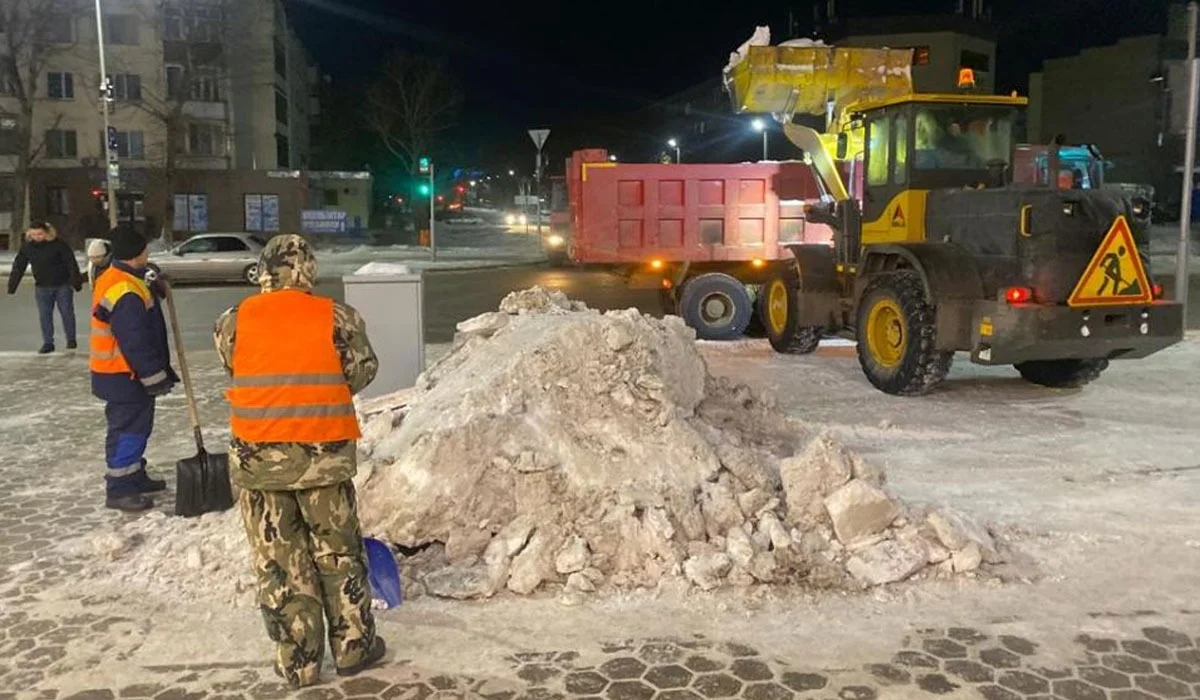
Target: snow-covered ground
[(1095, 490)]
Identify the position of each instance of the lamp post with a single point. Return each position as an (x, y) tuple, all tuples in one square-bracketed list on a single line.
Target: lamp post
[(760, 125), (110, 158), (674, 143)]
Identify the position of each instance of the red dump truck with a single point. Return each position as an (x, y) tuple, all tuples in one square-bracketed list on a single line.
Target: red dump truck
[(704, 234)]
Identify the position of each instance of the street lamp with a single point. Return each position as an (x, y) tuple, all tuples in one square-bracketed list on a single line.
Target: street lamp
[(512, 173), (110, 161), (760, 125), (673, 143), (612, 157)]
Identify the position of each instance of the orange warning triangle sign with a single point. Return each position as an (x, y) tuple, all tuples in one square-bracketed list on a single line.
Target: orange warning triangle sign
[(1115, 276), (898, 217)]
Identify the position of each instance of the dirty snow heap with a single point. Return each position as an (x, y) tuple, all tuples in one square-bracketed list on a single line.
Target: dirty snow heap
[(558, 446)]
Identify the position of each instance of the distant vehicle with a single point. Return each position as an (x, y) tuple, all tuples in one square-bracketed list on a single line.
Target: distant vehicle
[(516, 218), (210, 257)]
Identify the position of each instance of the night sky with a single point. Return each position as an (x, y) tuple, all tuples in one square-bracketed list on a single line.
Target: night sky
[(526, 64)]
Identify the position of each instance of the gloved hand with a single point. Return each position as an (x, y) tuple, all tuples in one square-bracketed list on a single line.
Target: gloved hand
[(161, 388), (159, 286)]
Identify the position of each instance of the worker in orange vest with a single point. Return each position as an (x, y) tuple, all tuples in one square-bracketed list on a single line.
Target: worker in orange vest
[(130, 365), (296, 360)]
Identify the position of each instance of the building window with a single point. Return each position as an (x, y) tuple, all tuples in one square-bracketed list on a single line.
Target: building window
[(331, 197), (60, 144), (8, 194), (60, 86), (280, 59), (126, 86), (976, 61), (59, 29), (283, 154), (8, 135), (127, 144), (8, 70), (57, 201), (173, 26), (204, 140), (191, 22), (205, 88), (120, 29), (174, 82), (281, 108)]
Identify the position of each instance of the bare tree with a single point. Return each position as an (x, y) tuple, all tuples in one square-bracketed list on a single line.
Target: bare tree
[(34, 32), (410, 104)]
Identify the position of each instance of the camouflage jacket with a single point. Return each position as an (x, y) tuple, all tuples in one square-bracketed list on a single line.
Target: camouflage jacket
[(288, 262)]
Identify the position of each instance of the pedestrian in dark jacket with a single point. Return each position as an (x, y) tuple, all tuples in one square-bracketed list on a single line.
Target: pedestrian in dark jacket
[(56, 278), (130, 364)]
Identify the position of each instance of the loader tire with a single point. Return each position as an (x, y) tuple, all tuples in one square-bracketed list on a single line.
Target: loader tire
[(897, 336), (1061, 374), (780, 315), (716, 305)]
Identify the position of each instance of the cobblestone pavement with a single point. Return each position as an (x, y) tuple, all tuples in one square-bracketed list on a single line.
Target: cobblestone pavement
[(60, 641)]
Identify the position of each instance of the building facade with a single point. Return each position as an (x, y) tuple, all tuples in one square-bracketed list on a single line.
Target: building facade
[(1129, 99), (194, 85)]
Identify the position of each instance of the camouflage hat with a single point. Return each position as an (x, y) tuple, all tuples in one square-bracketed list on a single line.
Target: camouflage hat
[(287, 261)]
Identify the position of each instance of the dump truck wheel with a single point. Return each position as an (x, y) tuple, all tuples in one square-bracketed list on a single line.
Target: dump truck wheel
[(897, 336), (780, 315), (1062, 374), (716, 305)]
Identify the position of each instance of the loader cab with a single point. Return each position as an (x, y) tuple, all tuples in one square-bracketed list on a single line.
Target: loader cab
[(926, 142)]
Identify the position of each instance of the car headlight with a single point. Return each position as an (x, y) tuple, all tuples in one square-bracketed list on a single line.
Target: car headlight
[(1141, 208), (522, 219), (510, 220), (554, 240)]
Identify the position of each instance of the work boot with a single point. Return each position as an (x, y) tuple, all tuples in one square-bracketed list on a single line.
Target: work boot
[(72, 345), (129, 502), (376, 652), (147, 485), (46, 349)]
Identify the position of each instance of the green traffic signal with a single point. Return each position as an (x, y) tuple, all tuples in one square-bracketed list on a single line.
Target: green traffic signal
[(423, 188), (423, 165)]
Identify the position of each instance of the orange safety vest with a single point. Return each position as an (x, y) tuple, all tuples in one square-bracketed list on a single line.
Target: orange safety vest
[(113, 283), (288, 383)]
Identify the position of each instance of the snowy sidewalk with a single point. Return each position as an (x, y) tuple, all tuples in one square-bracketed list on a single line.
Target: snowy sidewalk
[(1095, 488)]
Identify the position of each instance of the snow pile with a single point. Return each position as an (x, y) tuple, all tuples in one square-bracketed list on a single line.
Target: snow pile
[(760, 37), (555, 448), (555, 445)]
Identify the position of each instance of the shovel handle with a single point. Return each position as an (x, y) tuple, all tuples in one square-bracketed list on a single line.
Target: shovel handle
[(193, 414)]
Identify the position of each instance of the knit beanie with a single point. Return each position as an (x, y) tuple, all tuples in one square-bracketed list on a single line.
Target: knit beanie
[(127, 243)]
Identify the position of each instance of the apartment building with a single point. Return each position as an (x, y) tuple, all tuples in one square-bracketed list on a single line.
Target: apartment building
[(203, 86)]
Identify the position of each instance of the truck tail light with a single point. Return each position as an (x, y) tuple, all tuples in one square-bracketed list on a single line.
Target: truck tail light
[(1157, 291), (1018, 295)]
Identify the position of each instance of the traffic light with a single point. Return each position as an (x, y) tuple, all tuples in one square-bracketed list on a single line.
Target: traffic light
[(423, 189), (423, 165)]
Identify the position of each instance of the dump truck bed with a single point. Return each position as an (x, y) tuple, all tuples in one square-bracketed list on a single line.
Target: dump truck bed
[(638, 212)]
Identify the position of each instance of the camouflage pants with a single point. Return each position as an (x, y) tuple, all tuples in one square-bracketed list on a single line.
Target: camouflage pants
[(311, 567)]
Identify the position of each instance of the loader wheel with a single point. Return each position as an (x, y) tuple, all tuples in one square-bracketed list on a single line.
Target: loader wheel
[(716, 305), (780, 315), (897, 336), (1062, 374)]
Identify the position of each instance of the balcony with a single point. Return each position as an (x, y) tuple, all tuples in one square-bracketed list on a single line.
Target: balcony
[(208, 111)]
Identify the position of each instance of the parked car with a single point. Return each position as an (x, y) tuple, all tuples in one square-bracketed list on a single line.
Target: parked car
[(210, 257)]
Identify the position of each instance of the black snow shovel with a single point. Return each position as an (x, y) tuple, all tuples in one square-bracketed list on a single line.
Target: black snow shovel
[(201, 482)]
